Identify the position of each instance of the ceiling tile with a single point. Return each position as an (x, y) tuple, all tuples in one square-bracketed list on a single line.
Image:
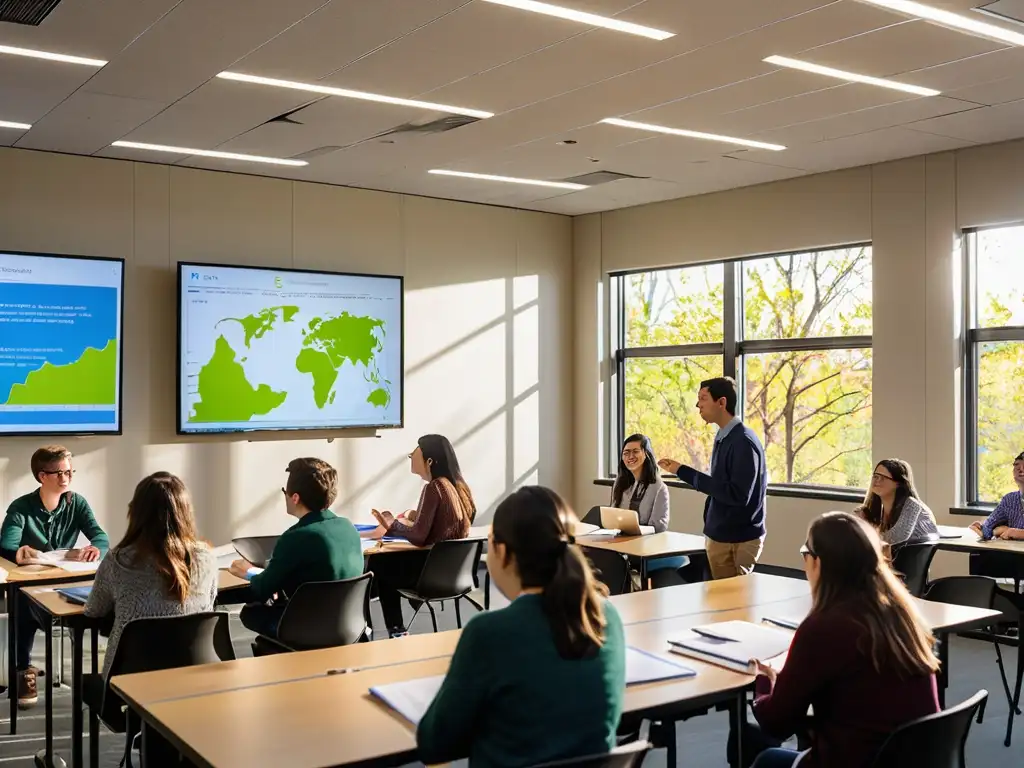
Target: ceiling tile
[(867, 148), (98, 120), (980, 126), (983, 68), (993, 92)]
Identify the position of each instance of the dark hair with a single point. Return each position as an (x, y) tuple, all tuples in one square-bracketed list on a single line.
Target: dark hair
[(444, 464), (1018, 457), (162, 530), (314, 480), (856, 579), (624, 480), (871, 509), (719, 387), (46, 457), (535, 525)]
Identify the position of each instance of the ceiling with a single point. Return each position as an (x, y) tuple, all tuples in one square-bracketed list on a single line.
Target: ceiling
[(548, 81)]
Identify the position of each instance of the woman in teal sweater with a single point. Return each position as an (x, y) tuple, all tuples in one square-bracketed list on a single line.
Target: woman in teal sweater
[(542, 679)]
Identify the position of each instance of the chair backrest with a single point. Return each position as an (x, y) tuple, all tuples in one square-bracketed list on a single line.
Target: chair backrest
[(256, 549), (912, 562), (612, 568), (625, 756), (449, 569), (593, 517), (325, 614), (167, 642), (974, 591), (935, 740)]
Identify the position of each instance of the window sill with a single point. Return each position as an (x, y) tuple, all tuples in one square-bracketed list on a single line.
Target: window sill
[(838, 495), (976, 509)]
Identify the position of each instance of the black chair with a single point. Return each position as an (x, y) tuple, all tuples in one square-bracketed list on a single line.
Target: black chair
[(147, 645), (256, 549), (935, 740), (322, 614), (612, 568), (593, 517), (448, 574), (911, 561), (625, 756)]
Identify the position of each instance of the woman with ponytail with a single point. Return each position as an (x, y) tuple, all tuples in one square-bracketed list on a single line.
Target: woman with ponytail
[(542, 679)]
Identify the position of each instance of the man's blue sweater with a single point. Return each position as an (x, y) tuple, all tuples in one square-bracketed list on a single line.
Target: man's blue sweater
[(735, 508)]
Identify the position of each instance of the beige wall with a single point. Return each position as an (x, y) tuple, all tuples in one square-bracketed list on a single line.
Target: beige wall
[(912, 211), (488, 329)]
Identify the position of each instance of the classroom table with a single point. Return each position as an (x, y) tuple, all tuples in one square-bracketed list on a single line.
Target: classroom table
[(476, 533), (207, 711), (968, 542), (18, 577), (645, 548), (72, 614)]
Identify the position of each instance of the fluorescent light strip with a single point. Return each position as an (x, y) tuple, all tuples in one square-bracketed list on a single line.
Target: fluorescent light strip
[(586, 18), (950, 19), (346, 93), (508, 179), (208, 153), (692, 134), (15, 126), (806, 66), (32, 54)]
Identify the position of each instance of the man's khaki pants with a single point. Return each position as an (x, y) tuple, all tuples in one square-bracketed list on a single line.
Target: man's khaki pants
[(736, 559)]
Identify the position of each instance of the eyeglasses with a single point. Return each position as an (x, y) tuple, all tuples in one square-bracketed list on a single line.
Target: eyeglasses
[(877, 476), (59, 473), (635, 452), (806, 550)]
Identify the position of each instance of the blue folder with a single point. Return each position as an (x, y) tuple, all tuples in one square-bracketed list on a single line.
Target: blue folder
[(77, 595)]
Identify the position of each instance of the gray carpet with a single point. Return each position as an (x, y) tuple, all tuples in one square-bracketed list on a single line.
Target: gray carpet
[(701, 740)]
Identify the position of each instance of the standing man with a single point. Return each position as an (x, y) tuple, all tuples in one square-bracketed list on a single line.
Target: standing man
[(734, 511), (51, 517)]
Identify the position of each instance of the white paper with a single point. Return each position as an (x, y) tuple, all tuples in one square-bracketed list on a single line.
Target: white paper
[(584, 529), (56, 559), (366, 544), (948, 532), (787, 622), (409, 698), (734, 642), (646, 530), (644, 667)]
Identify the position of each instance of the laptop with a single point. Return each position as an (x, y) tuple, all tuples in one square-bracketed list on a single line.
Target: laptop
[(623, 520)]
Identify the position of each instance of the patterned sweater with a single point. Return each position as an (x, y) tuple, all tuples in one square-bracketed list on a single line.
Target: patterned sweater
[(916, 525), (1009, 512), (131, 590), (439, 516)]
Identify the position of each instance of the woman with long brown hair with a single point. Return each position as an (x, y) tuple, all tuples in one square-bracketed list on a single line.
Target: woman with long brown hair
[(894, 508), (542, 679), (160, 567), (862, 658)]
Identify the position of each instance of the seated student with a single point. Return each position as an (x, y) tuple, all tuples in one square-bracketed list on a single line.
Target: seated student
[(542, 679), (638, 485), (445, 512), (862, 658), (893, 507), (160, 567), (51, 517), (1007, 519), (320, 547)]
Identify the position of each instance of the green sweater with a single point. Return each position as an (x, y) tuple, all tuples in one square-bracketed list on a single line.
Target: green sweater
[(28, 522), (320, 547), (510, 700)]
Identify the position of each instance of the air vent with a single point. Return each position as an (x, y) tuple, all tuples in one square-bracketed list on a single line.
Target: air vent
[(441, 125), (601, 177), (1004, 10), (31, 12)]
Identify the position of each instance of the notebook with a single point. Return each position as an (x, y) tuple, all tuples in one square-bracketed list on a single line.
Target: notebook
[(732, 644), (56, 559), (948, 532), (78, 595), (645, 667), (786, 622)]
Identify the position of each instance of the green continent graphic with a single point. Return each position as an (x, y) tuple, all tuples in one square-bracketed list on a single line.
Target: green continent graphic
[(89, 380), (256, 326), (379, 398), (224, 392), (318, 365)]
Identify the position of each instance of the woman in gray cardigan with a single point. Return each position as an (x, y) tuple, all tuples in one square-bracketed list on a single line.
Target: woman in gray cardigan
[(639, 486)]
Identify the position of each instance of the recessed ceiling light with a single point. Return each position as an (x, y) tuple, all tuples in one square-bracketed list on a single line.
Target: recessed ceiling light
[(508, 179), (349, 94), (586, 18), (208, 153), (32, 54), (950, 19), (692, 134), (15, 126), (853, 77)]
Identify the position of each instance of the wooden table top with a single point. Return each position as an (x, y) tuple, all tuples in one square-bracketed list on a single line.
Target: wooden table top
[(664, 544), (476, 533), (968, 542), (26, 574)]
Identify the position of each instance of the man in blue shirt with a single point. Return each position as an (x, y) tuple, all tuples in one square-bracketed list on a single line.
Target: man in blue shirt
[(1007, 520), (734, 512)]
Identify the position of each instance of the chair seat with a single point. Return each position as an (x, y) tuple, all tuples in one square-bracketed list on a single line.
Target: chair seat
[(410, 594)]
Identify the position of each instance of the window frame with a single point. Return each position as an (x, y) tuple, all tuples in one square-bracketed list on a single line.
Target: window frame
[(973, 338), (733, 348)]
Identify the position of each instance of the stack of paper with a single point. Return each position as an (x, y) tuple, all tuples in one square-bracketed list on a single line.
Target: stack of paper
[(58, 559), (733, 644), (644, 667)]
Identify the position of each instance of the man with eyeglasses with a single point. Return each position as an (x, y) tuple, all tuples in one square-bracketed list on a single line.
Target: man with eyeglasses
[(49, 518)]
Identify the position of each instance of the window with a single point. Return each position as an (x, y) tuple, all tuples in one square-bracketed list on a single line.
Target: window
[(994, 405), (795, 332)]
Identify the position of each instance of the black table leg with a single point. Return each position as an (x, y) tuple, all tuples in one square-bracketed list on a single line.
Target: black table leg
[(45, 758), (643, 573), (77, 641), (94, 718), (943, 641), (12, 653), (1015, 704), (740, 718), (142, 743)]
